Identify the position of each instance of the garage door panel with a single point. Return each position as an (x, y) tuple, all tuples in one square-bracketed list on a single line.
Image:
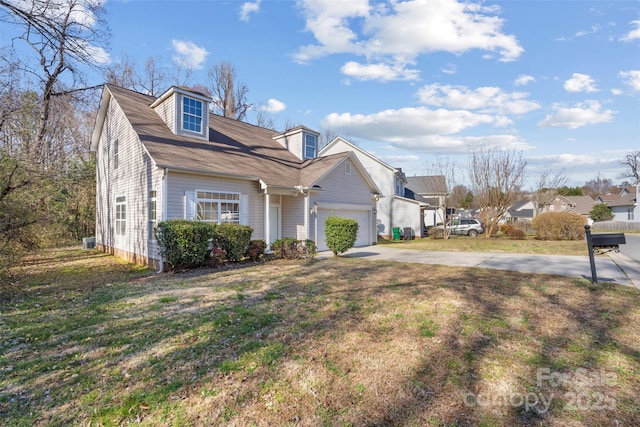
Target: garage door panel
[(364, 226)]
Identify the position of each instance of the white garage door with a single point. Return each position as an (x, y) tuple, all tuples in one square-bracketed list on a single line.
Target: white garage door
[(364, 228)]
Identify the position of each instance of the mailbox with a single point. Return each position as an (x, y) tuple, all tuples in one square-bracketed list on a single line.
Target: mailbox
[(605, 242)]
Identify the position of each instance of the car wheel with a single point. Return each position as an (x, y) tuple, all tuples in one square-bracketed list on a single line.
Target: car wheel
[(473, 233)]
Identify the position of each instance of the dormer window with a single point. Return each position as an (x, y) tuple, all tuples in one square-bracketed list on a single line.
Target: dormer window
[(191, 114), (310, 146)]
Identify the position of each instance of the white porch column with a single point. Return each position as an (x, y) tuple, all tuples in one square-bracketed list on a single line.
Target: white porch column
[(267, 222)]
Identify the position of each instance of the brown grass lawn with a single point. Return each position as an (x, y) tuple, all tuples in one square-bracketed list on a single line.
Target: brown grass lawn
[(86, 339), (500, 244)]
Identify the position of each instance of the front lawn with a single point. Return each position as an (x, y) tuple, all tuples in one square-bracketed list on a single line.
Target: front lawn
[(86, 339)]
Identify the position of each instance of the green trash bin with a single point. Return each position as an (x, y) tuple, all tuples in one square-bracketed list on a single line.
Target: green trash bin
[(396, 233)]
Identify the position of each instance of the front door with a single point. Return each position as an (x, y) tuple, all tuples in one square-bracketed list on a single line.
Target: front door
[(274, 223)]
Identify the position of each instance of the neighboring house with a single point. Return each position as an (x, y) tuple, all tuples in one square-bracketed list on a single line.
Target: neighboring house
[(169, 158), (625, 206), (580, 205), (393, 209), (522, 211), (430, 190)]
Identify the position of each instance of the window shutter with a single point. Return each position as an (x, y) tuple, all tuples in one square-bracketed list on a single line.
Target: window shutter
[(244, 209), (190, 205)]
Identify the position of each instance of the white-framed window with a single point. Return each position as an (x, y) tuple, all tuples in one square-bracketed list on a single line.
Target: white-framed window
[(191, 114), (153, 215), (121, 216), (310, 145), (630, 215), (347, 168), (115, 154), (217, 207)]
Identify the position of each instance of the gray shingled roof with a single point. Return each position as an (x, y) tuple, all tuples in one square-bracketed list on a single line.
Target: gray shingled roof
[(626, 199), (234, 148), (430, 184)]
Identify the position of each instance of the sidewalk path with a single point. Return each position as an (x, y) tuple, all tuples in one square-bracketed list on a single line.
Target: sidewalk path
[(613, 267)]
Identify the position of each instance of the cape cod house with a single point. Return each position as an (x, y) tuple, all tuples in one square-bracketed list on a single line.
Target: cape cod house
[(169, 158)]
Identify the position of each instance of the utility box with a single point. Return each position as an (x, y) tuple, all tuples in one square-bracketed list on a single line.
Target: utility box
[(88, 243)]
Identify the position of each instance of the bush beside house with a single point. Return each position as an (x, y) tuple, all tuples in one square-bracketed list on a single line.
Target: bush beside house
[(191, 244), (341, 233)]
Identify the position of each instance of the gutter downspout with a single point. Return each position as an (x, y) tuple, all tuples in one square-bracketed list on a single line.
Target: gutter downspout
[(163, 214)]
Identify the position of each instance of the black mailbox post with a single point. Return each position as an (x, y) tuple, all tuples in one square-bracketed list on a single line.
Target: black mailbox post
[(599, 244)]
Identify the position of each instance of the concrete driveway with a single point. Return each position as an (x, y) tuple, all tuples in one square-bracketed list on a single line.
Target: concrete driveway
[(612, 267)]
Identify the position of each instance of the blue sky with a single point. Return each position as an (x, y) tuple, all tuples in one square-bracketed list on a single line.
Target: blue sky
[(413, 80)]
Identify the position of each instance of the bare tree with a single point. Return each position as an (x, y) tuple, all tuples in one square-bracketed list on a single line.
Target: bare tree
[(229, 95), (154, 79), (497, 176), (264, 118), (599, 185), (123, 74), (547, 186), (63, 35), (459, 197), (632, 162), (441, 179)]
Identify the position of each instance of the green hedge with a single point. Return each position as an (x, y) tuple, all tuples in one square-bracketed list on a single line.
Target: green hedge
[(341, 233), (559, 226), (184, 244), (189, 244)]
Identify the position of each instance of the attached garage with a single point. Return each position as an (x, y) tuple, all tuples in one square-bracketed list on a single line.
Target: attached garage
[(363, 216)]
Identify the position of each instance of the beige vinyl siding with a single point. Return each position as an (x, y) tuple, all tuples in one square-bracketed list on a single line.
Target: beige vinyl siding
[(167, 112), (339, 187), (294, 143), (293, 217), (178, 183), (133, 179)]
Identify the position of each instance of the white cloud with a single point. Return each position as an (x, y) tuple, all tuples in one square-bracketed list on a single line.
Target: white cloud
[(587, 113), (394, 125), (98, 54), (189, 54), (449, 69), (392, 32), (580, 83), (249, 8), (380, 72), (421, 129), (274, 106), (633, 34), (524, 79), (632, 78), (484, 99)]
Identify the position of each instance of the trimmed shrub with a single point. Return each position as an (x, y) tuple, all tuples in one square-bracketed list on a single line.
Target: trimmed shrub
[(233, 238), (559, 226), (184, 244), (290, 248), (341, 233), (255, 249)]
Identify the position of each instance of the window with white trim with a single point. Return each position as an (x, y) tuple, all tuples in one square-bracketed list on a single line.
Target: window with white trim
[(115, 154), (153, 217), (121, 216), (630, 214), (310, 145), (217, 207), (191, 114), (347, 168)]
